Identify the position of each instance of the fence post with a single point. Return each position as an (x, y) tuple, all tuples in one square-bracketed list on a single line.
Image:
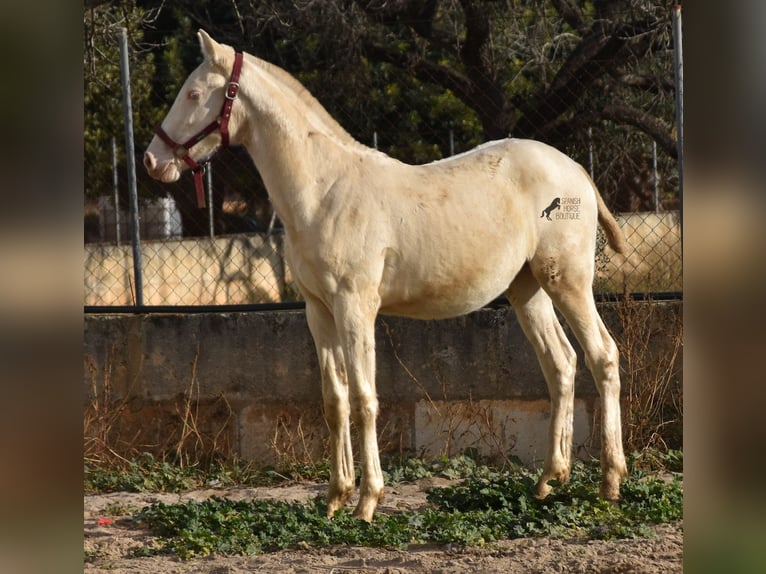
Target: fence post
[(209, 181), (679, 73), (116, 184), (656, 178), (130, 155)]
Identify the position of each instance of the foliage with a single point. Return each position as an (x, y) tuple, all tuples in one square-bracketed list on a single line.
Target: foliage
[(149, 474), (591, 78), (486, 506), (650, 339), (412, 469), (145, 474), (103, 102), (650, 459)]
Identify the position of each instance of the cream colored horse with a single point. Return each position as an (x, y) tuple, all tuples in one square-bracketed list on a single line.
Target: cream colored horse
[(367, 234)]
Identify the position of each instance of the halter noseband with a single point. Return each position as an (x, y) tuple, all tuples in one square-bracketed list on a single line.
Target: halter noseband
[(181, 150)]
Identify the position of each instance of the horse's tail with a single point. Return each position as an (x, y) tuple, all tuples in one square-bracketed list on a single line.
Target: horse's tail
[(614, 235)]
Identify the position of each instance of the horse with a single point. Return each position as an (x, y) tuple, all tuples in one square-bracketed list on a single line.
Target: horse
[(367, 234)]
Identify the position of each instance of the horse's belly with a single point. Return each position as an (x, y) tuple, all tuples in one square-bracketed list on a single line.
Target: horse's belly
[(433, 309), (442, 300)]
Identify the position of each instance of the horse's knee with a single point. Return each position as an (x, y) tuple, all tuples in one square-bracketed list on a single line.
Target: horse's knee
[(335, 413), (364, 408)]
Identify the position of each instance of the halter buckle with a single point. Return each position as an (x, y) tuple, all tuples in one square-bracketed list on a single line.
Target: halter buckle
[(231, 90), (200, 168)]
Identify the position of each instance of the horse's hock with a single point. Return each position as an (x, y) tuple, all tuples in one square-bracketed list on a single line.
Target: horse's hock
[(248, 385)]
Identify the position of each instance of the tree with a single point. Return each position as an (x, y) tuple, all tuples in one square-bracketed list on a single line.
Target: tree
[(578, 75), (103, 106), (593, 78), (544, 70)]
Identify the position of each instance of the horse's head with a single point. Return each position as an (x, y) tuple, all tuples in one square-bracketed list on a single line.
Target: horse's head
[(192, 129)]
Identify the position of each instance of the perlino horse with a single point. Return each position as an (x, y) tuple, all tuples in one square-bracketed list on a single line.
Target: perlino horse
[(367, 234)]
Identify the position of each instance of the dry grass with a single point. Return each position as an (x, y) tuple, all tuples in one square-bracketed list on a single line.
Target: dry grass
[(651, 342), (295, 442), (187, 431), (193, 443), (101, 417)]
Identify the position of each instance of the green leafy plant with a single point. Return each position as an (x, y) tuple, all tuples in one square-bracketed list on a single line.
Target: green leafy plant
[(412, 469), (145, 474), (150, 474), (485, 506)]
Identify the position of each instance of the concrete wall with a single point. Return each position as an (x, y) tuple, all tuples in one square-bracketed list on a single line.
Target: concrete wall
[(248, 384)]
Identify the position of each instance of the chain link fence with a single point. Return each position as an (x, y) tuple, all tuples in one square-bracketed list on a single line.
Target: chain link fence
[(249, 267), (232, 252)]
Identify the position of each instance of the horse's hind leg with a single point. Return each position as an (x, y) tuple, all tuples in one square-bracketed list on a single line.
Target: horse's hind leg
[(336, 404), (557, 359), (571, 291)]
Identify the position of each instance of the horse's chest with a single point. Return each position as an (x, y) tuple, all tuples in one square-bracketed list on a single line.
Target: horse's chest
[(319, 268)]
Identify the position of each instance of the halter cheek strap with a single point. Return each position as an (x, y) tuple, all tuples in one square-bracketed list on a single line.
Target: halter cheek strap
[(181, 150)]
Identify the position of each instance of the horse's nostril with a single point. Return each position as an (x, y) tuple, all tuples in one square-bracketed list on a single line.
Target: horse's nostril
[(149, 161)]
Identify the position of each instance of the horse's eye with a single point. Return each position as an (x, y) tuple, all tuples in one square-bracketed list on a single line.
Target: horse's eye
[(194, 95)]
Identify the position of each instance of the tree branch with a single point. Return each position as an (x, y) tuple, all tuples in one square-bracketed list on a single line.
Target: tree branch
[(569, 12), (423, 70), (650, 125), (650, 84), (476, 87), (623, 114), (601, 50), (486, 96)]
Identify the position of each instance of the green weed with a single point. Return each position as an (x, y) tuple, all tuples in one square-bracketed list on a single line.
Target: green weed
[(486, 506), (150, 474)]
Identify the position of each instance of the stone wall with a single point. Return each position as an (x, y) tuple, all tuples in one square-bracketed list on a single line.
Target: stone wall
[(248, 384)]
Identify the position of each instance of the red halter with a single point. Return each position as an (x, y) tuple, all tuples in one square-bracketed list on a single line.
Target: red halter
[(221, 123)]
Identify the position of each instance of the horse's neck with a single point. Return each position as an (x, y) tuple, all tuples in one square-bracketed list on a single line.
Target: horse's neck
[(313, 108), (293, 146)]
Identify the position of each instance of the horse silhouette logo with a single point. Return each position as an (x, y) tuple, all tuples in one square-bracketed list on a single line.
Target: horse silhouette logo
[(555, 204)]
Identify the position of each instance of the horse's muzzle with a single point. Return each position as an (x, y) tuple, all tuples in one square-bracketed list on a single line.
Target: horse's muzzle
[(166, 171)]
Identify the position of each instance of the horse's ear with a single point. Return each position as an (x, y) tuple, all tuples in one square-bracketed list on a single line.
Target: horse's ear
[(214, 52)]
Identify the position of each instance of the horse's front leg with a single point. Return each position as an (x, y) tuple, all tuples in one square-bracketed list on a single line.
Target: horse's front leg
[(336, 404), (355, 320)]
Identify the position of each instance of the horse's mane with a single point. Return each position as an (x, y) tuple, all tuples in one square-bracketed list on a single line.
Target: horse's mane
[(306, 97)]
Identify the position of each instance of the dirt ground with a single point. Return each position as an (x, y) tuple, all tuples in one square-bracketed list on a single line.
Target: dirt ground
[(111, 538)]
